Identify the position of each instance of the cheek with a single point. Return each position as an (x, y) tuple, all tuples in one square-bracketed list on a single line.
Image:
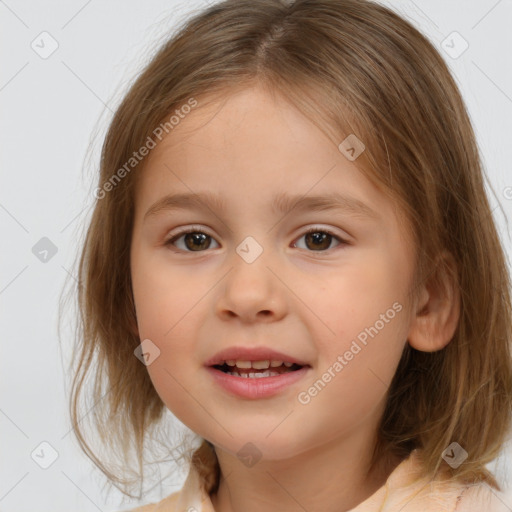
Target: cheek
[(167, 303), (358, 295), (365, 310), (163, 294), (353, 376)]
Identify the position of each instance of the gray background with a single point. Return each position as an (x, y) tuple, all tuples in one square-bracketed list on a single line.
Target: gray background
[(50, 108)]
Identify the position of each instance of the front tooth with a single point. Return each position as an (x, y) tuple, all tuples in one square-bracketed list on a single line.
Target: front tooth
[(288, 364), (276, 363), (231, 362), (260, 365), (243, 364)]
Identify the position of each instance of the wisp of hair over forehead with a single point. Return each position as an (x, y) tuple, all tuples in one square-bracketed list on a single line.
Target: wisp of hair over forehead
[(352, 67)]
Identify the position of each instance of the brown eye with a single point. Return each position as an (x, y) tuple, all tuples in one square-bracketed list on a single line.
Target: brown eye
[(319, 239), (194, 241)]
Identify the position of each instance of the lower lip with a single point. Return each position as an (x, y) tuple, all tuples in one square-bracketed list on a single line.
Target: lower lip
[(253, 388)]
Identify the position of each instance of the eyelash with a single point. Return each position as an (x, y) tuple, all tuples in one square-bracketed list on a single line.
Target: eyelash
[(198, 229)]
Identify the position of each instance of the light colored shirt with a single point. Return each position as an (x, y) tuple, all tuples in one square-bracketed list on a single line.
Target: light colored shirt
[(399, 493)]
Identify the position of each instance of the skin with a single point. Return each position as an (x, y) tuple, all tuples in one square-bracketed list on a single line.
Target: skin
[(308, 303)]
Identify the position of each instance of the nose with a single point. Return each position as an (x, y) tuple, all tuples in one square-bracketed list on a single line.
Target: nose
[(252, 292)]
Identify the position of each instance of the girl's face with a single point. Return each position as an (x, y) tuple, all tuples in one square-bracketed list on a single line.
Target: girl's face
[(251, 278)]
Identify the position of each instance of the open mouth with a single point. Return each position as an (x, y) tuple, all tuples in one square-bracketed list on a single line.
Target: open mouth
[(257, 373)]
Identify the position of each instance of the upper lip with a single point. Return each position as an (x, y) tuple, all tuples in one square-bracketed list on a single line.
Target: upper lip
[(252, 354)]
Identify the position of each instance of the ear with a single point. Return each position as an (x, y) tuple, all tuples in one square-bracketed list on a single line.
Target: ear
[(437, 307)]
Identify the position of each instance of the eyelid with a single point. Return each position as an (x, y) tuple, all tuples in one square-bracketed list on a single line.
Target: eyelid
[(342, 240), (330, 231), (201, 229), (184, 231), (190, 229)]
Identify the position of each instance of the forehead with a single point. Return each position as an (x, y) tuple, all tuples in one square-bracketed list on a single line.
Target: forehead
[(247, 146), (248, 132), (234, 118)]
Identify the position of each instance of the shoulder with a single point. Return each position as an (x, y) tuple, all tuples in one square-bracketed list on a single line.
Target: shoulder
[(168, 505), (453, 497), (191, 498), (480, 497), (407, 490)]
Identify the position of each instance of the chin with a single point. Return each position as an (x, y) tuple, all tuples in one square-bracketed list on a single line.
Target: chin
[(251, 448)]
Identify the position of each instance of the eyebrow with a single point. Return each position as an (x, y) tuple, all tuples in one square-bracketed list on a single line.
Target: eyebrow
[(282, 203)]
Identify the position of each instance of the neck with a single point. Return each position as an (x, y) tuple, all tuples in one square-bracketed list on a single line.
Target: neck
[(332, 477)]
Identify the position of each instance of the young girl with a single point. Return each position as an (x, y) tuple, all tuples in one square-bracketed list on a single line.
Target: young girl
[(292, 251)]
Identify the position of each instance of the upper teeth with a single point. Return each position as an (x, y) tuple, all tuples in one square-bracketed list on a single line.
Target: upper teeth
[(258, 365)]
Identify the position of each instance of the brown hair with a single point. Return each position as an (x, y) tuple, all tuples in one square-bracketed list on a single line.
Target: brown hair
[(353, 67)]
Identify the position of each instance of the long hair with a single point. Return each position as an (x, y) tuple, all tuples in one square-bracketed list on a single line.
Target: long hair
[(352, 67)]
